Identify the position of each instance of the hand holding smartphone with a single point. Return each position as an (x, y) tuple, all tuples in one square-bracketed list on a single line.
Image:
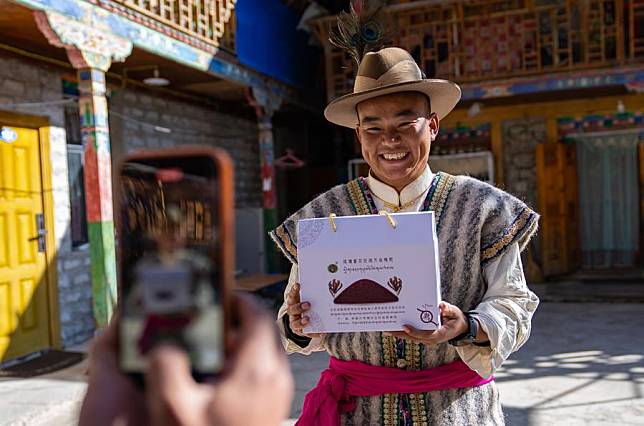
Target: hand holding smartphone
[(255, 387), (175, 210)]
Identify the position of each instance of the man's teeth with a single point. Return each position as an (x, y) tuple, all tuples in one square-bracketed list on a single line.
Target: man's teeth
[(397, 156)]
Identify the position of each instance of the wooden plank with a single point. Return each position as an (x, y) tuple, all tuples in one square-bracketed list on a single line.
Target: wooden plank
[(557, 206), (619, 31), (496, 135), (641, 161), (548, 226), (568, 161), (631, 30)]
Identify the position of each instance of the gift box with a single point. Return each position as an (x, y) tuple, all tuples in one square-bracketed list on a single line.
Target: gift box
[(369, 273)]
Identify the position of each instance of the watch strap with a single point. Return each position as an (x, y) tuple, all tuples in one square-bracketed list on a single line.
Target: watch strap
[(469, 335)]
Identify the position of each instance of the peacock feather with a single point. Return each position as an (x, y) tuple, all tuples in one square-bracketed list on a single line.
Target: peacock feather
[(361, 30)]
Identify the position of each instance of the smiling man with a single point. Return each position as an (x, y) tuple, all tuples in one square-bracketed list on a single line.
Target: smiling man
[(441, 377)]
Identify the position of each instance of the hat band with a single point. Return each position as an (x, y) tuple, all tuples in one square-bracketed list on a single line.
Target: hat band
[(403, 72)]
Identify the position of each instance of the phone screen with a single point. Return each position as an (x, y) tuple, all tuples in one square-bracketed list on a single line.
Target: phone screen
[(170, 285)]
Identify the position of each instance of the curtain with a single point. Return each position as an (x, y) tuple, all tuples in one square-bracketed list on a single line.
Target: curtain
[(608, 199)]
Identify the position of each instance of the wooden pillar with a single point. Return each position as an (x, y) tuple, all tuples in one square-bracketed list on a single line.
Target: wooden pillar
[(98, 191), (91, 52), (266, 104)]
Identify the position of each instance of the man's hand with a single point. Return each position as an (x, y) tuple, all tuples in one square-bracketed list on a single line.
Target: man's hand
[(256, 386), (453, 322), (296, 311), (111, 398)]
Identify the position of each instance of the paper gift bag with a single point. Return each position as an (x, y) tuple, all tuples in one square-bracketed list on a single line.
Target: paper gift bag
[(369, 273)]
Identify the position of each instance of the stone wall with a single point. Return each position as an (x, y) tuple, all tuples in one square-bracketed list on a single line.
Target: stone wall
[(520, 139), (140, 118), (137, 112), (23, 81)]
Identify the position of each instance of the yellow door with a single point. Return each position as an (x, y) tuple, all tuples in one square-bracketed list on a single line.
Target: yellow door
[(24, 326)]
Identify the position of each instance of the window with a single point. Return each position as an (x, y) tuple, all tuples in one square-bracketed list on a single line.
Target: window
[(78, 222), (78, 225)]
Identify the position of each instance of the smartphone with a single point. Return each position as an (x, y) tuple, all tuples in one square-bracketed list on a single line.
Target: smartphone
[(176, 256)]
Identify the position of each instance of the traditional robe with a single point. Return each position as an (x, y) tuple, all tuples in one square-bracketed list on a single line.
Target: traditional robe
[(476, 224)]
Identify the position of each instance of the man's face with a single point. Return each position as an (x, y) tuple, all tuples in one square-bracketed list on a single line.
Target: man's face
[(395, 133)]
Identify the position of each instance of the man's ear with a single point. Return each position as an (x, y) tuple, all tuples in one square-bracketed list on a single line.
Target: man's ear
[(434, 125)]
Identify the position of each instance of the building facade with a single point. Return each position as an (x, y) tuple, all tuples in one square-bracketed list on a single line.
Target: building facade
[(551, 111), (83, 83)]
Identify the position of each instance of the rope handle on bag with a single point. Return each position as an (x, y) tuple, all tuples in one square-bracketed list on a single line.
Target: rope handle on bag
[(391, 220), (332, 217)]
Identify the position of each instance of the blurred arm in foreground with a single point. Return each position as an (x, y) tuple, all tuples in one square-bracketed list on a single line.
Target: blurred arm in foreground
[(255, 388)]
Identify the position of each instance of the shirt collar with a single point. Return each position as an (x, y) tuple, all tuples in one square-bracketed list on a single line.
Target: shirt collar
[(412, 191)]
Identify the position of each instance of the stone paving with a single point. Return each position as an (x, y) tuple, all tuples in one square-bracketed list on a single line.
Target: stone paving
[(52, 399), (583, 365)]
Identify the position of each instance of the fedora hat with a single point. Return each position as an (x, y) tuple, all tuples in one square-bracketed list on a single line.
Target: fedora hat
[(391, 70)]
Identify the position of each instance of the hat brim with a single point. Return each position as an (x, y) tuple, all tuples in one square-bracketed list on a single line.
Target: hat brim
[(443, 95)]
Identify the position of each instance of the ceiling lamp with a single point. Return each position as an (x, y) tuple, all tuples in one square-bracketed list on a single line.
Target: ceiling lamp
[(156, 80)]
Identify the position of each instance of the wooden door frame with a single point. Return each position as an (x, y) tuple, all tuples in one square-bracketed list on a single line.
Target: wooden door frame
[(41, 124), (640, 155)]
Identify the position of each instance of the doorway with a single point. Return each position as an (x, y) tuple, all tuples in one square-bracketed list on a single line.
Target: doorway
[(609, 199), (25, 325)]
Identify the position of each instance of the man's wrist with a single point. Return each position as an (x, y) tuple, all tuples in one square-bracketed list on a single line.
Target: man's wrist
[(301, 341), (481, 339), (469, 334), (465, 324)]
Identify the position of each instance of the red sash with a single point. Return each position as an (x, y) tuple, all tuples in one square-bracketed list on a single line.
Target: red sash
[(344, 380)]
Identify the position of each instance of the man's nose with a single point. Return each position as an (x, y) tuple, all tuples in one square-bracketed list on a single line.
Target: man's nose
[(391, 137)]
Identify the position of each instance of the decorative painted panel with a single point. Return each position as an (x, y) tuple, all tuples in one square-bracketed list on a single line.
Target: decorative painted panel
[(490, 39), (463, 139), (159, 39), (598, 123)]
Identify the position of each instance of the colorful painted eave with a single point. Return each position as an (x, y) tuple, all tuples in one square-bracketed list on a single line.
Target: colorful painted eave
[(630, 77), (162, 45)]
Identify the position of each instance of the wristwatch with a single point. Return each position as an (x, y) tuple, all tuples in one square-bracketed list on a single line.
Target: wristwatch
[(470, 334)]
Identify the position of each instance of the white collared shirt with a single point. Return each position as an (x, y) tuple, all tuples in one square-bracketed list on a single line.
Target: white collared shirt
[(505, 313), (414, 192)]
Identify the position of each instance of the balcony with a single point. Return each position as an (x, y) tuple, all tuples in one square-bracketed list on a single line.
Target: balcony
[(207, 24), (471, 41)]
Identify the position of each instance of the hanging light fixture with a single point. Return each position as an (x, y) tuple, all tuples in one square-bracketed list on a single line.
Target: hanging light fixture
[(474, 110), (620, 107), (156, 80)]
